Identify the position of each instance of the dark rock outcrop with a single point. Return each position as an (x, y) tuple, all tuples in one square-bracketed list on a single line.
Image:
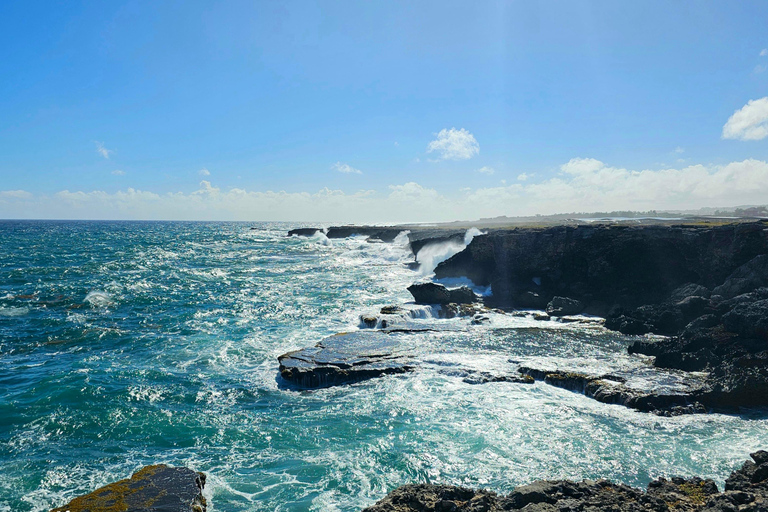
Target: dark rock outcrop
[(751, 275), (157, 488), (563, 306), (610, 389), (603, 265), (433, 293), (746, 490), (749, 320), (345, 358), (303, 231)]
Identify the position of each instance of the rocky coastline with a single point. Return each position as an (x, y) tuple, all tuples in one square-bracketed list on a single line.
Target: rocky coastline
[(703, 286), (168, 489), (746, 490)]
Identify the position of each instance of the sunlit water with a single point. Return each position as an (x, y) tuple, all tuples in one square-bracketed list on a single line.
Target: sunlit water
[(127, 344)]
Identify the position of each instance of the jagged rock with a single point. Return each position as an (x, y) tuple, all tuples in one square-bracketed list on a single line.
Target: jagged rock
[(692, 307), (345, 358), (391, 310), (610, 389), (430, 293), (433, 293), (749, 320), (746, 491), (303, 231), (627, 325), (748, 277), (462, 295), (157, 488), (689, 290), (485, 378), (563, 306), (453, 310)]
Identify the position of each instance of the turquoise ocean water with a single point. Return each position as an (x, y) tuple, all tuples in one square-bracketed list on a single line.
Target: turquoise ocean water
[(124, 344)]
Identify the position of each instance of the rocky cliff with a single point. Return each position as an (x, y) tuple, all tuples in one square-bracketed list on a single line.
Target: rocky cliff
[(604, 265)]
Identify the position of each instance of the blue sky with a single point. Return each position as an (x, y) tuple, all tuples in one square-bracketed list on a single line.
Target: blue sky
[(254, 110)]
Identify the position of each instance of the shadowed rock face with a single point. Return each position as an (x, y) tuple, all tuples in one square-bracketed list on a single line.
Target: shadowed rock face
[(746, 491), (345, 358), (432, 293), (606, 265), (157, 488)]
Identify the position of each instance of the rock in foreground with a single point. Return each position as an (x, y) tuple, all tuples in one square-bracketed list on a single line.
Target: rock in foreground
[(158, 488), (345, 358), (746, 491)]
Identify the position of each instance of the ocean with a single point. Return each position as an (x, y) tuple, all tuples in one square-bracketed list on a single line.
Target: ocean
[(124, 344)]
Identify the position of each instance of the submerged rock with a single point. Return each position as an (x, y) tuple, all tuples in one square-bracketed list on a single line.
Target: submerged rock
[(746, 490), (157, 488), (346, 358)]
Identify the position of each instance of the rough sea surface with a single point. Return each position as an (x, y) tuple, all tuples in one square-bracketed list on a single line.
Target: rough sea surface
[(124, 344)]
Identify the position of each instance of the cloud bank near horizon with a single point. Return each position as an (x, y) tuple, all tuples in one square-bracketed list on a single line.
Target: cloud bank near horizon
[(582, 185)]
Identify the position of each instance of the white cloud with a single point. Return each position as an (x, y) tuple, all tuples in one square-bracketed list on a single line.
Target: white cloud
[(100, 149), (454, 144), (118, 172), (15, 194), (486, 170), (346, 168), (748, 123), (204, 172), (583, 185), (764, 52), (679, 150), (522, 176)]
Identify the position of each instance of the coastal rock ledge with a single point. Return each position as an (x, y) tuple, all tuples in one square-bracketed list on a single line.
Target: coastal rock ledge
[(746, 490), (157, 488)]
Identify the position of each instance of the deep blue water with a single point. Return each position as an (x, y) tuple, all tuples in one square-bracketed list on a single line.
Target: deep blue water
[(124, 344)]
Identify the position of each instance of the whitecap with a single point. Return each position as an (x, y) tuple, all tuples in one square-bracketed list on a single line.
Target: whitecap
[(98, 299), (11, 311), (431, 255)]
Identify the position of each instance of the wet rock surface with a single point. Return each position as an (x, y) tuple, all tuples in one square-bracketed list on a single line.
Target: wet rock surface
[(706, 287), (157, 488), (346, 358), (612, 389), (746, 490)]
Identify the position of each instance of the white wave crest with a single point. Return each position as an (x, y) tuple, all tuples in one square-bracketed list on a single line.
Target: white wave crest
[(321, 239), (431, 255), (98, 299), (13, 311)]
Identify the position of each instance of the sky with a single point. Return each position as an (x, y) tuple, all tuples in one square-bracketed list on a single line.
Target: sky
[(379, 111)]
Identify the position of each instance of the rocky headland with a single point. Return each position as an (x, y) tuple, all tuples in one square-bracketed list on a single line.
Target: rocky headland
[(703, 286)]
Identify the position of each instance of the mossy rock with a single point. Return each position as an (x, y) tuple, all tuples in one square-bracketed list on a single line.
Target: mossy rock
[(151, 489)]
